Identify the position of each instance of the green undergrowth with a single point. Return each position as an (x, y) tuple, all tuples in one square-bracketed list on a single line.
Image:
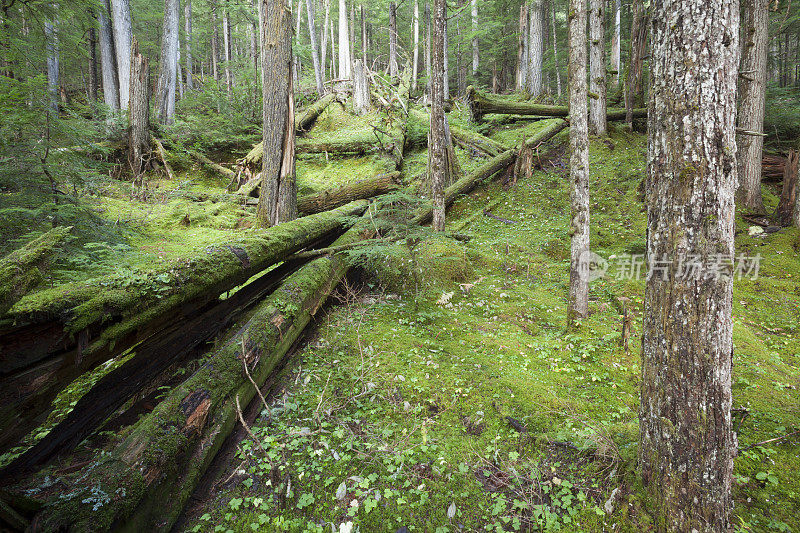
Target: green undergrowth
[(448, 396)]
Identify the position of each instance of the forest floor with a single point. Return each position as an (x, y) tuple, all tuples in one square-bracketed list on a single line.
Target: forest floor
[(442, 392)]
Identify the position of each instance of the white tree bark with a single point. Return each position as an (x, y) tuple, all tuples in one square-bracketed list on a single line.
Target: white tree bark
[(415, 31), (168, 64), (446, 57), (361, 101), (752, 98), (555, 47), (344, 42), (323, 56), (393, 68), (108, 60), (535, 48), (319, 76), (616, 44), (578, 304), (123, 34), (226, 54), (597, 69), (51, 34), (334, 63), (475, 49), (522, 51), (438, 120), (187, 16), (428, 45)]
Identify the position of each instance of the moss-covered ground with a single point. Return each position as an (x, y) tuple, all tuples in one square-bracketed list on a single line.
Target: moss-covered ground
[(453, 398)]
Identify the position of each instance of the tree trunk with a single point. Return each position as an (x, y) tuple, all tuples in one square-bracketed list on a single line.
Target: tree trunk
[(363, 35), (108, 60), (686, 440), (361, 101), (415, 31), (187, 16), (92, 65), (214, 41), (535, 48), (634, 93), (616, 45), (344, 42), (783, 214), (555, 46), (297, 65), (597, 69), (522, 50), (168, 64), (393, 68), (427, 47), (226, 53), (138, 114), (312, 34), (357, 190), (333, 52), (278, 200), (475, 47), (752, 98), (461, 65), (437, 148), (578, 303), (123, 35), (51, 34), (324, 46), (446, 57)]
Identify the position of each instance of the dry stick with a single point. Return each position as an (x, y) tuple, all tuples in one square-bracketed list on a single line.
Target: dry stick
[(247, 428), (250, 378), (771, 440), (162, 155)]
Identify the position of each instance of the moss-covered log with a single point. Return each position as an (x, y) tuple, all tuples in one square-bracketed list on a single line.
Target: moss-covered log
[(332, 198), (482, 104), (465, 138), (360, 144), (61, 333), (214, 168), (164, 455), (307, 119), (488, 169), (19, 270)]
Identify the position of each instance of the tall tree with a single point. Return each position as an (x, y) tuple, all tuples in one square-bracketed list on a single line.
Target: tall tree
[(752, 91), (92, 64), (535, 48), (168, 63), (686, 442), (138, 114), (634, 93), (319, 75), (226, 44), (415, 31), (123, 35), (187, 19), (475, 47), (214, 41), (578, 306), (437, 132), (344, 42), (597, 68), (278, 199), (522, 50), (393, 68), (555, 46), (51, 34), (363, 35), (108, 59), (616, 44)]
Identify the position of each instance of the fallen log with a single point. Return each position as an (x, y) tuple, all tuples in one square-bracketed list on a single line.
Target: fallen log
[(307, 119), (332, 198), (162, 155), (464, 137), (210, 166), (61, 333), (164, 455), (481, 104), (19, 270), (358, 144), (488, 169)]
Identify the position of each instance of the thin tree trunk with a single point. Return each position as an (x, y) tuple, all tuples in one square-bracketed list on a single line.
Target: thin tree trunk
[(446, 57), (522, 51), (415, 31), (168, 64), (461, 65), (334, 64), (363, 35), (633, 82), (108, 60), (179, 76), (788, 200), (214, 42), (312, 34), (92, 65), (187, 16), (297, 66), (51, 34), (226, 53), (361, 101), (393, 68), (344, 42), (555, 46), (578, 305), (139, 114), (278, 200), (324, 50), (123, 34), (535, 48), (428, 46), (616, 45), (475, 47), (597, 69), (687, 443), (752, 98), (437, 148)]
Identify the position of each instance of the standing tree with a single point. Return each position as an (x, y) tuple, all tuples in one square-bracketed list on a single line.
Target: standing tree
[(535, 48), (686, 440), (633, 81), (138, 115), (187, 16), (319, 75), (578, 306), (278, 199), (475, 48), (415, 31), (597, 69), (168, 63), (226, 53), (108, 60), (752, 91), (51, 34), (616, 44), (344, 42), (393, 68), (522, 51), (437, 143), (555, 46), (123, 34)]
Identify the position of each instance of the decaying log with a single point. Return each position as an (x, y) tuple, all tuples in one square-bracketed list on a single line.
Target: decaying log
[(481, 104), (465, 138), (783, 213), (215, 168), (488, 169), (19, 270), (307, 119), (332, 198), (61, 333), (358, 144), (772, 167), (164, 455)]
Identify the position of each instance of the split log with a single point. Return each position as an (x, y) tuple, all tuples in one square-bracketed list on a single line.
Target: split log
[(307, 119), (332, 198), (61, 333), (164, 455), (465, 138), (772, 167), (482, 104), (488, 169), (19, 270)]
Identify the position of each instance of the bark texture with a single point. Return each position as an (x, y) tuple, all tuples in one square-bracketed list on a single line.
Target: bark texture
[(522, 49), (535, 48), (437, 139), (187, 19), (138, 113), (752, 98), (415, 60), (785, 209), (319, 76), (578, 303), (361, 101), (634, 91), (555, 46), (344, 42), (475, 44), (393, 66), (168, 64), (278, 200), (123, 36), (51, 35), (616, 45), (597, 68), (108, 59), (686, 439)]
